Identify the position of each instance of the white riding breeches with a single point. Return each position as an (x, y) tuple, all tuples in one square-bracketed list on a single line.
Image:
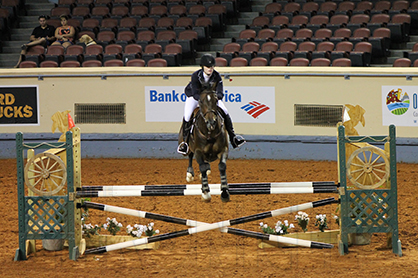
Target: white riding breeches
[(191, 105)]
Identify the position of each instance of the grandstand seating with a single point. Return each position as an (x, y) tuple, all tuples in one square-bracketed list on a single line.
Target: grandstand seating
[(289, 29), (221, 62), (135, 63), (341, 62), (402, 62), (320, 62), (299, 62), (28, 64), (70, 64), (48, 64), (238, 62), (157, 62), (268, 51), (259, 62), (230, 50), (279, 62)]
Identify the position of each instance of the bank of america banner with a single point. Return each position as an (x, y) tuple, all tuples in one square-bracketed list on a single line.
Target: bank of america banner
[(400, 105), (19, 105), (245, 104)]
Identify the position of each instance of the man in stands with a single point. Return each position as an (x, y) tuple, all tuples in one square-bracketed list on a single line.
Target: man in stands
[(43, 35)]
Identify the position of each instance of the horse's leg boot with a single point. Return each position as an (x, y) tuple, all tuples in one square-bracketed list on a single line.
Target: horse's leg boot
[(236, 140)]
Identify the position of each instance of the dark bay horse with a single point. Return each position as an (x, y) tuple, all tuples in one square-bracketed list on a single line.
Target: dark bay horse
[(208, 142)]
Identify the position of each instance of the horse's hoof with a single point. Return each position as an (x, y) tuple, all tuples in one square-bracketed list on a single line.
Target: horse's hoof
[(225, 197), (206, 197), (208, 172), (189, 177)]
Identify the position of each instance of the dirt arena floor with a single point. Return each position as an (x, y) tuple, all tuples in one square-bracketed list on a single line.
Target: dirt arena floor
[(213, 254)]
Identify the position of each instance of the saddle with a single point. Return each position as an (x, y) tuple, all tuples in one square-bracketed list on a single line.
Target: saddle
[(195, 113)]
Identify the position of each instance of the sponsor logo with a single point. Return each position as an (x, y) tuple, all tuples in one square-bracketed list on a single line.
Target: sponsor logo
[(255, 109), (397, 102), (245, 104), (173, 96), (155, 96), (19, 105)]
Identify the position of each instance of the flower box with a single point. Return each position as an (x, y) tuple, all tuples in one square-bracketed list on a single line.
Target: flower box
[(329, 236), (104, 240)]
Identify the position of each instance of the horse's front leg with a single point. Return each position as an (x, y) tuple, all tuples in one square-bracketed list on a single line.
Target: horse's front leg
[(204, 167), (190, 171), (224, 182)]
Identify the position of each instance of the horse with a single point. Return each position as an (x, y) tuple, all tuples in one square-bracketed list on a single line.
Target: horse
[(208, 141)]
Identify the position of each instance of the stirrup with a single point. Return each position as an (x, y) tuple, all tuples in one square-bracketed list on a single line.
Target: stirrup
[(183, 148), (238, 141)]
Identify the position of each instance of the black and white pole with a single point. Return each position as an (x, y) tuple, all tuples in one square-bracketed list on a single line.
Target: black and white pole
[(280, 239), (220, 225), (197, 192), (143, 214), (211, 186)]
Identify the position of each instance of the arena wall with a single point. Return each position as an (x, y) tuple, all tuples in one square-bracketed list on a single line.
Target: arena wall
[(153, 103)]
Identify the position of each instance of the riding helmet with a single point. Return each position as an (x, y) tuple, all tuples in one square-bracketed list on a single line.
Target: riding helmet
[(207, 60)]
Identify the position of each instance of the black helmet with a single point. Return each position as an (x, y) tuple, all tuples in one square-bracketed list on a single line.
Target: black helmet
[(207, 60)]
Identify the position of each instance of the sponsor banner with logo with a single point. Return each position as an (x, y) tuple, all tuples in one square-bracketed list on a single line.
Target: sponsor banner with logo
[(19, 105), (245, 104), (400, 105)]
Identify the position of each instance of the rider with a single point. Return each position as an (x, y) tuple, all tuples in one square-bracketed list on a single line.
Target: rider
[(202, 79)]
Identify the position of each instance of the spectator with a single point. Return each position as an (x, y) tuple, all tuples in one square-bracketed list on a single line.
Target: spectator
[(43, 35), (64, 34)]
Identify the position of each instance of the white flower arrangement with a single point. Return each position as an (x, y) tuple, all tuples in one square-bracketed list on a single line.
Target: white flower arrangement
[(137, 230), (112, 226), (336, 219), (279, 229), (89, 230), (303, 220), (321, 222)]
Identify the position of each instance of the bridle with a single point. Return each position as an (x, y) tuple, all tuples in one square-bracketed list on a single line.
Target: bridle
[(209, 135)]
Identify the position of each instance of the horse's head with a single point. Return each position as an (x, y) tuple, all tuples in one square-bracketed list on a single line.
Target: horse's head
[(208, 108)]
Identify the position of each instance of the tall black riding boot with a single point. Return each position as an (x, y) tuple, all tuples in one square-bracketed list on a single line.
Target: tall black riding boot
[(183, 148), (236, 140)]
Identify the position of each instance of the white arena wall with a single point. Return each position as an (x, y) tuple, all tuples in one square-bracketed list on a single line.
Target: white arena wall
[(153, 107)]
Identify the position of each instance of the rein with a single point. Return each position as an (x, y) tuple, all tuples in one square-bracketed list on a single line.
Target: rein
[(209, 136)]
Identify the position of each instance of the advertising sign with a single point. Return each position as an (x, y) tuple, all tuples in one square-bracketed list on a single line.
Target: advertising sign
[(400, 105), (19, 105), (244, 104)]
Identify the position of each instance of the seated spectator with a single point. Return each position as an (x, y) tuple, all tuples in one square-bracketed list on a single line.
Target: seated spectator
[(65, 33), (43, 35)]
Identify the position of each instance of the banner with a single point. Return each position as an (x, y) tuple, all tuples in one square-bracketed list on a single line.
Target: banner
[(400, 105), (19, 105), (244, 104)]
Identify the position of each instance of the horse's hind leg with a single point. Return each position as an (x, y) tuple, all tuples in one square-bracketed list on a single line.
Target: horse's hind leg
[(224, 182), (190, 172)]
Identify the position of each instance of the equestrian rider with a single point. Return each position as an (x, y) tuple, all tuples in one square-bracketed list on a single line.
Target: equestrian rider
[(202, 79)]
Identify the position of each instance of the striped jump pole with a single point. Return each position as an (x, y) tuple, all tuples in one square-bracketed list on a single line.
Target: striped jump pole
[(196, 192), (211, 186), (202, 227)]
